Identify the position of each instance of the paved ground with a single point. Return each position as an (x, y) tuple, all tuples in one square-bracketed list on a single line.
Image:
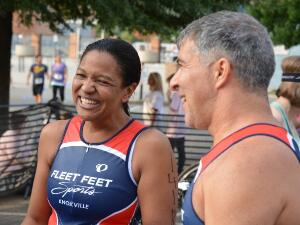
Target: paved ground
[(12, 209)]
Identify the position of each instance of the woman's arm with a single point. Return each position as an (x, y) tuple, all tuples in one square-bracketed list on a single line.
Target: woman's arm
[(66, 74), (39, 210), (154, 167), (153, 116), (277, 115)]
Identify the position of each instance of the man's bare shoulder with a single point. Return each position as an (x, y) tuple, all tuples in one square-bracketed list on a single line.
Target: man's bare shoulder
[(260, 155), (257, 171)]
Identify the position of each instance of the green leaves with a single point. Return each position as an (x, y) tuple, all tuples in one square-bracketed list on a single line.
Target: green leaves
[(164, 17), (281, 17)]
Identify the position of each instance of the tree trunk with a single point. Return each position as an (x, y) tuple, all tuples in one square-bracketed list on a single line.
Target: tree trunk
[(159, 50), (5, 54)]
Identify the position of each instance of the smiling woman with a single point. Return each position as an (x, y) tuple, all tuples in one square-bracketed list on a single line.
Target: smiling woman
[(103, 159)]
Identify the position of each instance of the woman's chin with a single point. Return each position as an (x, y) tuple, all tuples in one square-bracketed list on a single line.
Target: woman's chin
[(86, 114)]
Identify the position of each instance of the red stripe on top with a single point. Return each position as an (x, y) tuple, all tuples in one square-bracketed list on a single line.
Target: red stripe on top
[(122, 217), (255, 129), (53, 218), (122, 140), (73, 131)]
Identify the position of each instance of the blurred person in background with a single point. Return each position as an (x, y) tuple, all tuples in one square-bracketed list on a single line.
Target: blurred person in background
[(153, 101), (59, 77), (38, 71), (286, 108)]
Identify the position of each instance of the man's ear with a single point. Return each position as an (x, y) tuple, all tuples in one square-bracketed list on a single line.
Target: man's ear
[(128, 92), (222, 72)]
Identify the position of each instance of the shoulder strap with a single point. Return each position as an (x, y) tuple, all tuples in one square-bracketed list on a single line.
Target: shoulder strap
[(72, 131), (273, 131)]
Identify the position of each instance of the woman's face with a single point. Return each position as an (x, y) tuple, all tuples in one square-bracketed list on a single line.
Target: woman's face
[(97, 87), (151, 81)]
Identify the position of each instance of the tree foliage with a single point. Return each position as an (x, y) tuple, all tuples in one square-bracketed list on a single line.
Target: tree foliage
[(146, 16), (163, 17), (281, 17)]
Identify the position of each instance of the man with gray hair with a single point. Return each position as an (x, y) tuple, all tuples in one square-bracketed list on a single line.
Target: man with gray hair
[(251, 176)]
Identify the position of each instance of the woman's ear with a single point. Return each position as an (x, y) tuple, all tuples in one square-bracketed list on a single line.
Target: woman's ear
[(128, 92), (222, 72)]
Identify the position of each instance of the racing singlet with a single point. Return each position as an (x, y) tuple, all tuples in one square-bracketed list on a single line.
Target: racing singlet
[(58, 78), (189, 215), (92, 183), (38, 71)]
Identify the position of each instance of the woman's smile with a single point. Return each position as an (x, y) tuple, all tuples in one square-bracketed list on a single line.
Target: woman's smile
[(88, 103)]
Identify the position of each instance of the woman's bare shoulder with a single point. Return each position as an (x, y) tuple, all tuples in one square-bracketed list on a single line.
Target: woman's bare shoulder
[(50, 138), (54, 129), (152, 142), (153, 136)]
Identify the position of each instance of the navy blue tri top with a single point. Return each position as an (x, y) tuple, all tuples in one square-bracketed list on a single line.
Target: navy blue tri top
[(92, 183), (189, 215)]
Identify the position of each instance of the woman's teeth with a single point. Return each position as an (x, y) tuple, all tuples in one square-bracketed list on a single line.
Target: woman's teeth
[(88, 101)]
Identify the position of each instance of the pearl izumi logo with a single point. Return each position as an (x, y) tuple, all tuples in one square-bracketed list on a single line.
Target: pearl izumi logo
[(101, 167)]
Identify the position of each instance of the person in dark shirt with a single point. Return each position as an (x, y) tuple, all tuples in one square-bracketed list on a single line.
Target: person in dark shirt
[(39, 71)]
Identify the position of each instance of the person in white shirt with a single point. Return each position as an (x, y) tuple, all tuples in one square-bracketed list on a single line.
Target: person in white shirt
[(153, 101)]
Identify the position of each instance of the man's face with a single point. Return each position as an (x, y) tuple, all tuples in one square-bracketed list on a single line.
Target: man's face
[(195, 84), (38, 59)]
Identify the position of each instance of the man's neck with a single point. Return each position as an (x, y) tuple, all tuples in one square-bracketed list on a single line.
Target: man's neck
[(237, 110)]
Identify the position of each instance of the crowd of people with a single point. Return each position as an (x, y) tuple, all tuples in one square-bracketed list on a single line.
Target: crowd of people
[(104, 167)]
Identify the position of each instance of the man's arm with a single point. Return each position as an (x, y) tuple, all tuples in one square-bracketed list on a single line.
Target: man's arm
[(28, 77), (47, 74), (154, 167)]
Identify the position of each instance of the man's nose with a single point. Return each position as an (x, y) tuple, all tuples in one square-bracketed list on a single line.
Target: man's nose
[(174, 82)]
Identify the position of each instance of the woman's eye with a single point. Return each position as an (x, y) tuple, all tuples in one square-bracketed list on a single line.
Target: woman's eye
[(80, 76), (103, 82)]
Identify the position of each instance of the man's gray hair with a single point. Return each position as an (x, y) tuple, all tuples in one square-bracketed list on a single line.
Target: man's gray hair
[(238, 37)]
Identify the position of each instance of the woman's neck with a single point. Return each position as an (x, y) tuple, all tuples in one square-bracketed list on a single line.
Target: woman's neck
[(285, 103)]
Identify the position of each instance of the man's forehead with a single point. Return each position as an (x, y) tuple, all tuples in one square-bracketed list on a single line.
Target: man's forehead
[(187, 49)]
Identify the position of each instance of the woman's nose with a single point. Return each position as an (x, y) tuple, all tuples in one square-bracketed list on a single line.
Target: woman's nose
[(88, 85)]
